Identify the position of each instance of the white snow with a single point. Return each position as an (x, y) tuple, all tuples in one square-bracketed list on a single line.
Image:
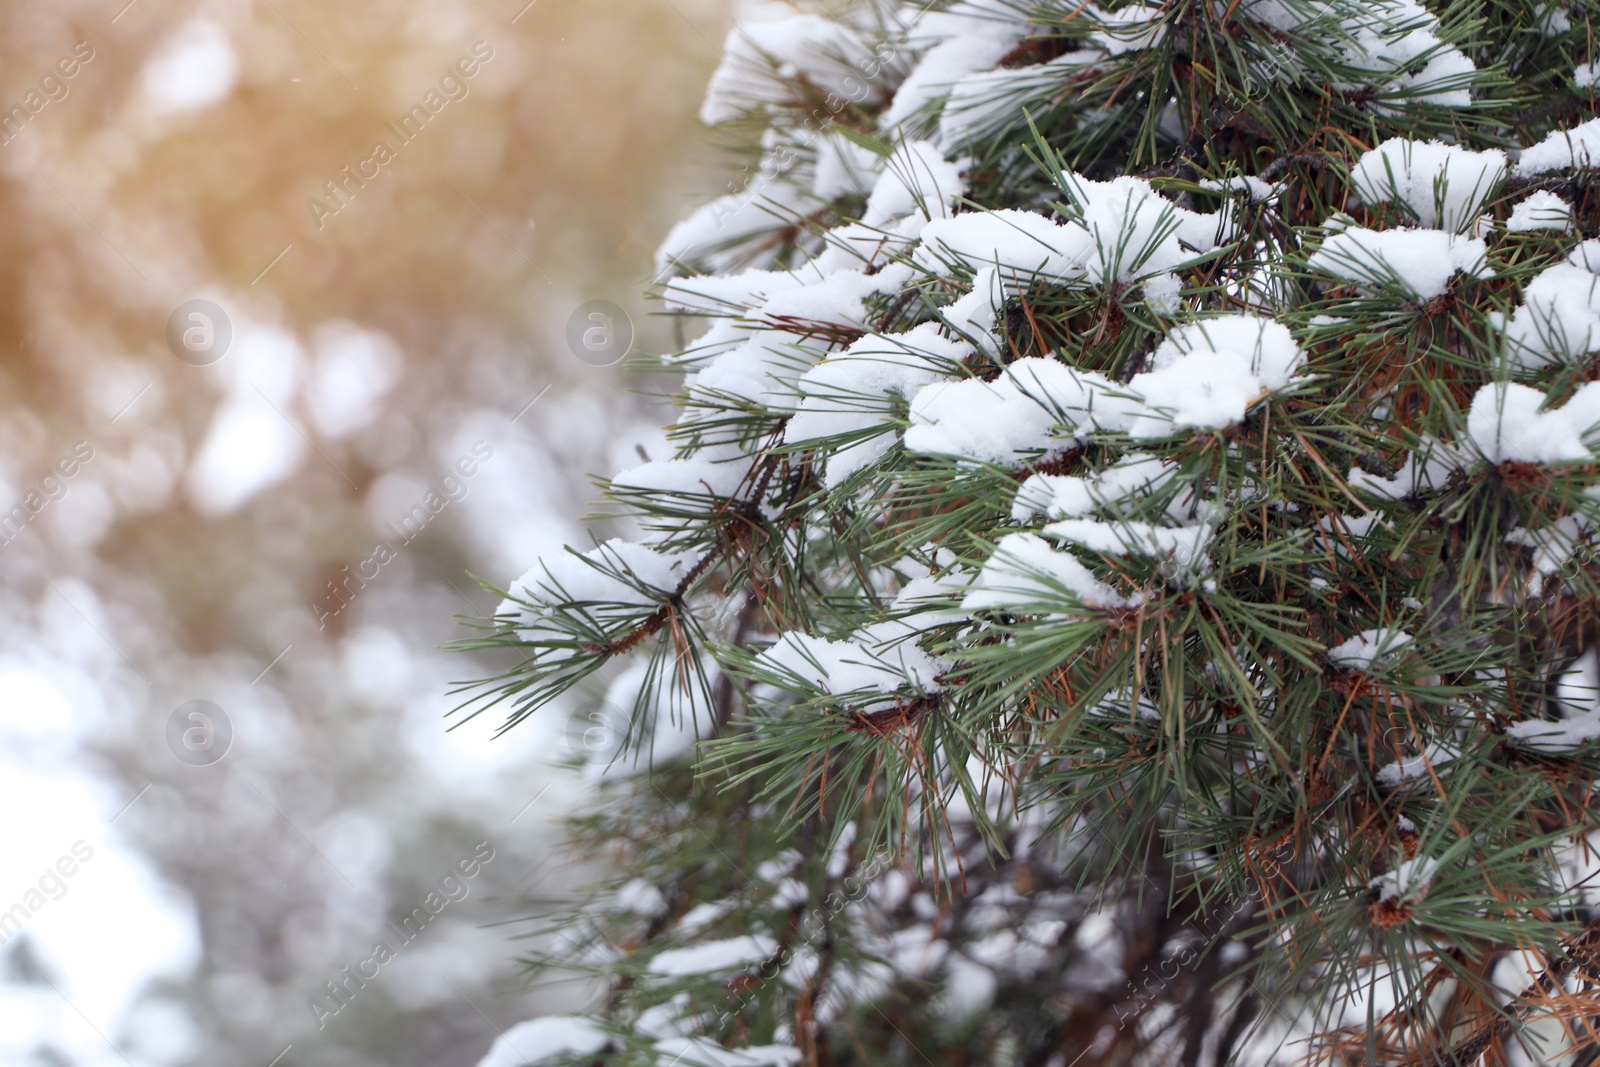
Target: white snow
[(1408, 882), (856, 247), (712, 235), (790, 893), (730, 956), (248, 448), (721, 294), (844, 168), (1553, 22), (115, 927), (1506, 425), (1338, 531), (1164, 293), (924, 603), (1008, 421), (665, 1020), (1427, 469), (1380, 45), (1369, 647), (1124, 231), (974, 314), (1542, 210), (723, 335), (1064, 496), (1130, 28), (1184, 546), (915, 178), (1025, 572), (703, 915), (687, 477), (988, 101), (917, 951), (967, 989), (839, 298), (1205, 374), (641, 898), (1420, 262), (1019, 242), (700, 1052), (855, 390), (973, 40), (1133, 232), (591, 579), (1561, 150), (1254, 189), (1266, 346), (547, 1038), (1445, 186), (1409, 768), (1552, 546), (759, 59), (1562, 736), (873, 661), (1577, 697), (778, 866), (1382, 37), (762, 369), (766, 364), (1584, 75), (1559, 320), (1578, 687)]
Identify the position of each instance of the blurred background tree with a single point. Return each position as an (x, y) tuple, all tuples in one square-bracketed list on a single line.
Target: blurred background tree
[(187, 559)]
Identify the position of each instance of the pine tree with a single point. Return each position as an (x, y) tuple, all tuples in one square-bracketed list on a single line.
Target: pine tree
[(1124, 589)]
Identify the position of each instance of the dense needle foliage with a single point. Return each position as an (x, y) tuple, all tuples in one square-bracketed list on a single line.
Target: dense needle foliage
[(1126, 558)]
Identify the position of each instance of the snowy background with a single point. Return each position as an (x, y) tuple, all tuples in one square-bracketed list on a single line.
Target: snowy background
[(156, 910)]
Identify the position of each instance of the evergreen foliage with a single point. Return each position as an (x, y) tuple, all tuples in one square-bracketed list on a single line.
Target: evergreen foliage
[(1127, 559)]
